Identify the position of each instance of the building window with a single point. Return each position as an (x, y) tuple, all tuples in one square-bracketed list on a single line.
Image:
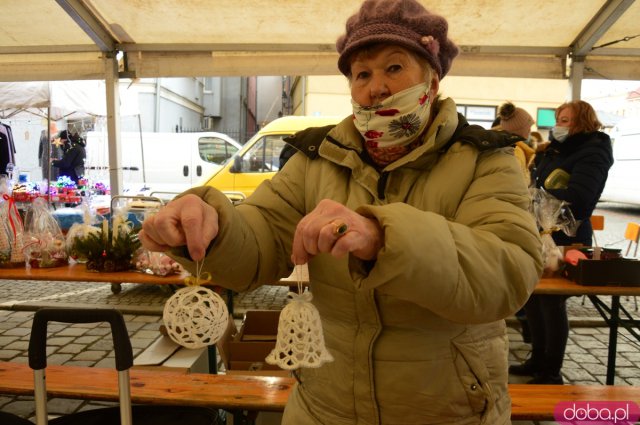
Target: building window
[(482, 115), (545, 117)]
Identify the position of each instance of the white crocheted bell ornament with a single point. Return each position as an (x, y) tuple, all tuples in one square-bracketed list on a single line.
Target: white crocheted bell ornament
[(195, 317), (300, 341)]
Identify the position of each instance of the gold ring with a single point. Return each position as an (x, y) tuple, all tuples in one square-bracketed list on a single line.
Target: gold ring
[(339, 229)]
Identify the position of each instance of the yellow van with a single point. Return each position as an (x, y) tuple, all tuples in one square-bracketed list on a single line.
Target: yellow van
[(259, 158)]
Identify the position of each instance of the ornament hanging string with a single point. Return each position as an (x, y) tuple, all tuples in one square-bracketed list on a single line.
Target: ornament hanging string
[(299, 278), (200, 278)]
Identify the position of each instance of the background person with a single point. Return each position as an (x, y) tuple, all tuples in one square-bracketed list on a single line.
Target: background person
[(72, 162), (517, 121), (440, 246), (44, 156), (573, 168), (535, 139)]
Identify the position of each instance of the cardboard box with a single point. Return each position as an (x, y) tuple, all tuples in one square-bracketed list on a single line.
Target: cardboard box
[(164, 354), (618, 272), (244, 351), (259, 325), (263, 418)]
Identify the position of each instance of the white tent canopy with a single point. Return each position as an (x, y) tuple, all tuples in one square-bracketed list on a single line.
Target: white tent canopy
[(74, 39), (61, 99)]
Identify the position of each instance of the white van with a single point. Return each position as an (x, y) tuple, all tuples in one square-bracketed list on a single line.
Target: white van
[(622, 183), (160, 164)]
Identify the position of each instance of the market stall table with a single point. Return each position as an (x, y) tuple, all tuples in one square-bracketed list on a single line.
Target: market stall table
[(548, 285), (611, 314), (78, 273)]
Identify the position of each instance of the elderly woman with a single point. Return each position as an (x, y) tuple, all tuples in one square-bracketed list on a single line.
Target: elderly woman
[(573, 168), (414, 226)]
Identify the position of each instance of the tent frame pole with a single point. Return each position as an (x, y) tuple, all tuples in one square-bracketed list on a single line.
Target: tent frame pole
[(113, 125)]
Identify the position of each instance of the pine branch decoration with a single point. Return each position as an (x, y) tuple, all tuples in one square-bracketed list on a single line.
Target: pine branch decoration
[(106, 254)]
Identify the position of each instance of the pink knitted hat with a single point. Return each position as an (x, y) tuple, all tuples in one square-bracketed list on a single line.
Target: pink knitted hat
[(515, 120), (403, 22)]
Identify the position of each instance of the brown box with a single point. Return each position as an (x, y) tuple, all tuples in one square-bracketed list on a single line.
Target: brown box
[(259, 325), (618, 272), (244, 351)]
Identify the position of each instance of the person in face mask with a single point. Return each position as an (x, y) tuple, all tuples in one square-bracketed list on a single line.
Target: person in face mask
[(573, 168), (414, 226), (518, 121)]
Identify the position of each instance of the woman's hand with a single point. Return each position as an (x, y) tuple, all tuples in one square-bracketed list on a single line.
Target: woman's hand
[(185, 221), (333, 228)]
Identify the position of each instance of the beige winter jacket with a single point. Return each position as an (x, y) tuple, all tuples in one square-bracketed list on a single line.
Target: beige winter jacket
[(418, 336)]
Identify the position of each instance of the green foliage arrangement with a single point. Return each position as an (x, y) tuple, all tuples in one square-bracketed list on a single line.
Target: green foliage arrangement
[(104, 253)]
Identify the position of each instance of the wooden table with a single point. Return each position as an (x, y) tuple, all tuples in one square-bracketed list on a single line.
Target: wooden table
[(79, 273), (611, 314)]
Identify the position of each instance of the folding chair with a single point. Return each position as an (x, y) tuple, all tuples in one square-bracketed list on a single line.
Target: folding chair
[(597, 223), (125, 413), (632, 233)]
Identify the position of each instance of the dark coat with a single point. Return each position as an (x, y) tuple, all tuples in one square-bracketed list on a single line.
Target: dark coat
[(72, 162), (586, 157)]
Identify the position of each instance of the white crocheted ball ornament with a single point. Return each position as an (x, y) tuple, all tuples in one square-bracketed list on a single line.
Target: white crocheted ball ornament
[(300, 341), (195, 317)]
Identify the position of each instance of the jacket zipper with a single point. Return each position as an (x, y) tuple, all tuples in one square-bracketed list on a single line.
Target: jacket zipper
[(382, 183)]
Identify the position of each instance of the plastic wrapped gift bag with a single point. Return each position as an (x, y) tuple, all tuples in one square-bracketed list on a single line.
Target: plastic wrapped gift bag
[(552, 215), (156, 263), (44, 243), (11, 230)]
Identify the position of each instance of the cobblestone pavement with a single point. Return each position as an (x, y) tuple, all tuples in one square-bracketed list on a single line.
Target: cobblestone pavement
[(142, 305)]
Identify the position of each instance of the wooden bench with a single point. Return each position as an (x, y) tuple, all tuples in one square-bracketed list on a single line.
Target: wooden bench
[(256, 393), (230, 392), (537, 402)]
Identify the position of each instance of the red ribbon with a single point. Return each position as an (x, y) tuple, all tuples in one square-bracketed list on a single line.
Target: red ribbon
[(34, 242), (12, 207)]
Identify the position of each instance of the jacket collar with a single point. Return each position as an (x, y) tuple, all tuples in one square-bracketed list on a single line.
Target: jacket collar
[(343, 145)]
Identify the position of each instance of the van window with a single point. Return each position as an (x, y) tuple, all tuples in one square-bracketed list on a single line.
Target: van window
[(215, 149), (264, 156)]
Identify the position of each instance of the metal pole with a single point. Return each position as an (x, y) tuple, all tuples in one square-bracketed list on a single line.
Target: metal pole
[(144, 169), (124, 391), (46, 153), (40, 396), (113, 125)]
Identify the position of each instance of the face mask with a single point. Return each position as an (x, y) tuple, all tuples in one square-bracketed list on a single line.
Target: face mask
[(390, 127), (560, 133)]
